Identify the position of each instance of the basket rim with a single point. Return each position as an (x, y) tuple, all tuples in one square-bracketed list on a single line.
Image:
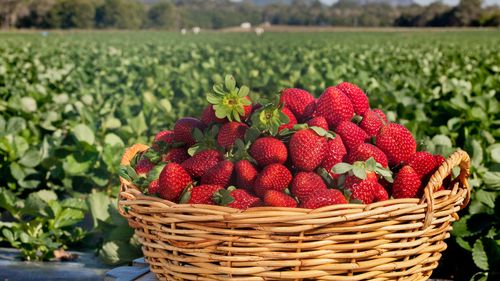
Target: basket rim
[(459, 158)]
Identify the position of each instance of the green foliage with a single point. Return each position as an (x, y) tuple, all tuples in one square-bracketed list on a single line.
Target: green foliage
[(71, 103)]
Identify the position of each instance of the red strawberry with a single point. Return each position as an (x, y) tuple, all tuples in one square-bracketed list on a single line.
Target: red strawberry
[(238, 198), (208, 116), (172, 181), (219, 174), (307, 149), (176, 155), (229, 132), (335, 106), (407, 183), (203, 194), (324, 197), (183, 130), (166, 136), (334, 154), (319, 121), (245, 174), (364, 151), (351, 134), (273, 177), (291, 123), (201, 162), (143, 166), (154, 186), (358, 98), (439, 159), (306, 183), (396, 142), (423, 163), (300, 102), (362, 189), (380, 193), (372, 121), (268, 150), (276, 198)]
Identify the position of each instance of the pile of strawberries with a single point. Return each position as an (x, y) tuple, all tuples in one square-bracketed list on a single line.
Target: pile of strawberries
[(294, 151)]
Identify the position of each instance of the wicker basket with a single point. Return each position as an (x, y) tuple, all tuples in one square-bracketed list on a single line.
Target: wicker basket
[(390, 240)]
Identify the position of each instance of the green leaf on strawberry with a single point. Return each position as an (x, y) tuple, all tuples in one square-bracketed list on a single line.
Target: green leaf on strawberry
[(229, 101)]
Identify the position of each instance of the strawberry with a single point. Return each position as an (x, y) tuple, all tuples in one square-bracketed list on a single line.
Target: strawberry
[(268, 150), (272, 118), (358, 98), (245, 174), (334, 154), (323, 197), (154, 186), (201, 162), (362, 189), (208, 116), (276, 198), (307, 149), (201, 194), (351, 134), (219, 174), (380, 193), (292, 120), (407, 183), (273, 177), (362, 179), (372, 121), (396, 142), (183, 130), (335, 106), (143, 166), (364, 151), (423, 163), (172, 181), (318, 121), (176, 155), (229, 101), (306, 183), (229, 132), (236, 198), (167, 137), (300, 102), (439, 159)]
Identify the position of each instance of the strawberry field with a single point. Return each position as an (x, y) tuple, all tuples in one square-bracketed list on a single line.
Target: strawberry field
[(71, 103)]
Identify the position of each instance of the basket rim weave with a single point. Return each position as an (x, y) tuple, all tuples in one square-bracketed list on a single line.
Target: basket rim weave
[(459, 158)]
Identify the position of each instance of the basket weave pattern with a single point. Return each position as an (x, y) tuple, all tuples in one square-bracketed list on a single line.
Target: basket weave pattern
[(398, 239)]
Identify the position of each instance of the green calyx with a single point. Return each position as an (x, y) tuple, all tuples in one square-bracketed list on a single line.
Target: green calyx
[(223, 197), (228, 100), (360, 168), (269, 118), (204, 141), (319, 131)]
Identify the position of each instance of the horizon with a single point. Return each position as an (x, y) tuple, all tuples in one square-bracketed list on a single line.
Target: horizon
[(420, 2)]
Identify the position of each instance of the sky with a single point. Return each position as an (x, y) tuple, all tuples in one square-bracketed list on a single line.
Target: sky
[(425, 2)]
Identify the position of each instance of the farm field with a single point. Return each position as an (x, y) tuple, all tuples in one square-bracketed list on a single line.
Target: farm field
[(72, 101)]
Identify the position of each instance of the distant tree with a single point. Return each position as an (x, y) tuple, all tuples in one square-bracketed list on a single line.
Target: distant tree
[(162, 15), (11, 11), (72, 14), (468, 11), (122, 14)]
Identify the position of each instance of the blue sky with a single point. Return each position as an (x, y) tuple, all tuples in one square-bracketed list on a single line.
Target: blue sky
[(425, 2)]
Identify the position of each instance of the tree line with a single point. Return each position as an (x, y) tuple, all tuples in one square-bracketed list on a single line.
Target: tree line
[(174, 15)]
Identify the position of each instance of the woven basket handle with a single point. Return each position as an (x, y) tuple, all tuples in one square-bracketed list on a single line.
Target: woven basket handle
[(126, 158), (459, 158)]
